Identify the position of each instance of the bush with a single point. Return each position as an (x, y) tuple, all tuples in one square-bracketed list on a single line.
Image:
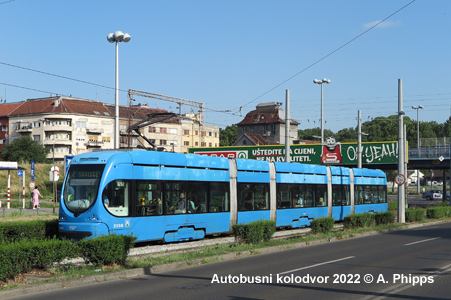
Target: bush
[(25, 255), (322, 225), (254, 232), (413, 215), (358, 220), (11, 232), (384, 218), (106, 250), (392, 205), (437, 212)]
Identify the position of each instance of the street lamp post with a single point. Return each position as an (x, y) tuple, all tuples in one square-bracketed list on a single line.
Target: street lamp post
[(117, 37), (418, 142), (317, 81)]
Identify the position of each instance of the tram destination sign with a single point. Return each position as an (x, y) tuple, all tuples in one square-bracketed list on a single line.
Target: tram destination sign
[(336, 154)]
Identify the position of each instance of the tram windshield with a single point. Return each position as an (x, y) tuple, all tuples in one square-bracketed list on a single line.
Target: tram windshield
[(81, 187)]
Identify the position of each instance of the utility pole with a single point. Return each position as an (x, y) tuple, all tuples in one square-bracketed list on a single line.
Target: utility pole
[(359, 141), (287, 126), (401, 190)]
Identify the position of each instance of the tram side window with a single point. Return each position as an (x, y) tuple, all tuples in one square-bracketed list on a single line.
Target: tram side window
[(283, 196), (197, 197), (115, 197), (340, 195), (375, 194), (301, 195), (319, 194), (367, 194), (309, 197), (246, 197), (219, 197), (174, 198), (382, 194), (261, 197), (148, 202), (253, 196), (358, 194)]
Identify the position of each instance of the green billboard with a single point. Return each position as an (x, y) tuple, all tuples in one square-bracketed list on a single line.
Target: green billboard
[(336, 154)]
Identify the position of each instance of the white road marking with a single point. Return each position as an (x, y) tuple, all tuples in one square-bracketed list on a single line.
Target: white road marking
[(316, 265), (422, 241)]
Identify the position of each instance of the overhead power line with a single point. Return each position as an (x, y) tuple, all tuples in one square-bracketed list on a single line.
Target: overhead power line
[(329, 54)]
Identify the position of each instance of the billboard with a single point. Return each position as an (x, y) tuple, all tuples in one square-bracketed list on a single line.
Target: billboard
[(329, 154)]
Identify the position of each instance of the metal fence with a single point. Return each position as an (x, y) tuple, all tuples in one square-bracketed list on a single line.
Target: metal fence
[(431, 148)]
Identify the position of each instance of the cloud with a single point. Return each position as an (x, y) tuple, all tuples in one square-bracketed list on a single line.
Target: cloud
[(385, 24)]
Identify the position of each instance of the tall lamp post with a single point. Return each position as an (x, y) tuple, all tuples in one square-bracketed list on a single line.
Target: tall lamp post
[(317, 81), (117, 37), (418, 142)]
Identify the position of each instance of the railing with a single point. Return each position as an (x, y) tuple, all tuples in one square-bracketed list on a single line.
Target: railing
[(436, 152)]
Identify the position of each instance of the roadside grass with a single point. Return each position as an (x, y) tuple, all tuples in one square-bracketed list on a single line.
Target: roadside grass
[(17, 216)]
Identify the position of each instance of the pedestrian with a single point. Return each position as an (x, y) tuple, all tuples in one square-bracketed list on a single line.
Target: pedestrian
[(35, 197)]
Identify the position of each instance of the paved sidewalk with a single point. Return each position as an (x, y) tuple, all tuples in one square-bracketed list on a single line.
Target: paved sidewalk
[(4, 211)]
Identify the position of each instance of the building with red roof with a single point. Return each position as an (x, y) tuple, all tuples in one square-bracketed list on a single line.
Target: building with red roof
[(265, 126)]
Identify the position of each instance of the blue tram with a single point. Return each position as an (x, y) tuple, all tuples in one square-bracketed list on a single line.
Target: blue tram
[(177, 197)]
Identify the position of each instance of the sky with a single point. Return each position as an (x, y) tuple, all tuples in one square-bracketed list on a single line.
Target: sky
[(233, 55)]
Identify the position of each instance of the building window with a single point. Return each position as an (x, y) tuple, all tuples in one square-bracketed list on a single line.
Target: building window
[(152, 129), (197, 132), (36, 138), (186, 143), (80, 124), (172, 130), (185, 132), (210, 144), (203, 144), (209, 133), (196, 144), (163, 142), (106, 139), (163, 130)]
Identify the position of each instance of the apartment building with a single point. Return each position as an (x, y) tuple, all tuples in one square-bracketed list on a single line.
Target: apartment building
[(70, 126)]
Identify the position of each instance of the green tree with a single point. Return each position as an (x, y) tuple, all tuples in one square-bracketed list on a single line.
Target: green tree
[(347, 135), (228, 136), (314, 133), (24, 150), (382, 129)]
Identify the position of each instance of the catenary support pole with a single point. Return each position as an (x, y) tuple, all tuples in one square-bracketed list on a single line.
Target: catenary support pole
[(287, 126), (401, 193)]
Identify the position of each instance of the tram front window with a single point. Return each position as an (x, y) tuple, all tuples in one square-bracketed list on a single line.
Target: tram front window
[(81, 187)]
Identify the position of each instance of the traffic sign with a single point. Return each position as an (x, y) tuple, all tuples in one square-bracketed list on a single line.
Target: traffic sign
[(20, 173), (31, 184), (400, 179), (54, 173), (32, 170)]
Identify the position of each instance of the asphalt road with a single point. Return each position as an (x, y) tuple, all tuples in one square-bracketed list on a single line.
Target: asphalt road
[(408, 264)]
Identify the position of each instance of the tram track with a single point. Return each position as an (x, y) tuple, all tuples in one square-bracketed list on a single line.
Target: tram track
[(159, 249)]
